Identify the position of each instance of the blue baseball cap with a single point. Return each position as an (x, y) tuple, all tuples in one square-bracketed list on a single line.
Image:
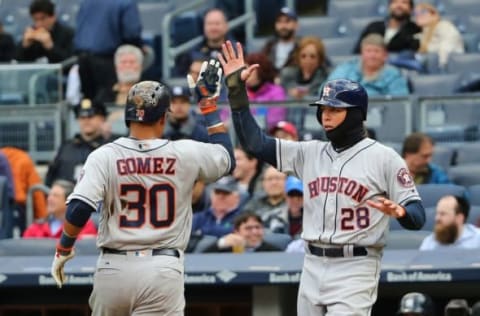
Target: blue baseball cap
[(293, 184), (291, 14), (226, 184)]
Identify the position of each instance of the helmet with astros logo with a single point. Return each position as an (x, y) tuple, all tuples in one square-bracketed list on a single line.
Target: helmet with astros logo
[(147, 102), (344, 93)]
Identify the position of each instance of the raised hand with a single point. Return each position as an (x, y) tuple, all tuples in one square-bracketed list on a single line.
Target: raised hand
[(209, 80), (233, 61), (387, 206)]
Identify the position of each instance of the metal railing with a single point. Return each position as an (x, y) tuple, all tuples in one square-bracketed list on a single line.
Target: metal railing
[(169, 53), (30, 207)]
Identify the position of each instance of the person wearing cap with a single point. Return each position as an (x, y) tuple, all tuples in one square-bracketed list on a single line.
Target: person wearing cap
[(73, 153), (247, 236), (372, 70), (288, 219), (217, 220), (284, 130), (280, 48), (457, 307), (182, 123)]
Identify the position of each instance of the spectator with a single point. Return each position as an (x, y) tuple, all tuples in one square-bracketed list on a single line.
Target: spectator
[(305, 77), (52, 225), (181, 121), (25, 176), (451, 229), (296, 246), (273, 196), (438, 35), (457, 307), (128, 68), (416, 304), (247, 172), (261, 88), (247, 236), (6, 171), (113, 23), (46, 38), (288, 220), (280, 48), (72, 154), (217, 220), (215, 33), (7, 46), (417, 151), (284, 130), (397, 30), (372, 71)]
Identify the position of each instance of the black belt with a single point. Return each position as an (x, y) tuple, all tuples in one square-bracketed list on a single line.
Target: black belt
[(155, 252), (336, 252)]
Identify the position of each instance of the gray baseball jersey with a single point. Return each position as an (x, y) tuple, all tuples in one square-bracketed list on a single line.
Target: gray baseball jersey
[(336, 186), (143, 189)]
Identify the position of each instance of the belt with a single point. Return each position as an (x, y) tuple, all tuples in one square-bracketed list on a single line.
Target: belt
[(155, 252), (336, 252)]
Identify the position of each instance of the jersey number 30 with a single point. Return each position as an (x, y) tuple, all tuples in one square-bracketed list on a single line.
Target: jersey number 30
[(147, 201), (355, 218)]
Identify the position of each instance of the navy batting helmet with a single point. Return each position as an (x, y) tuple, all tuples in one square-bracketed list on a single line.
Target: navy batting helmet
[(344, 93), (416, 303), (147, 102)]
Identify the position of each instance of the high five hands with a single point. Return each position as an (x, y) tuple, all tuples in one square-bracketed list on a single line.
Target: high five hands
[(233, 61)]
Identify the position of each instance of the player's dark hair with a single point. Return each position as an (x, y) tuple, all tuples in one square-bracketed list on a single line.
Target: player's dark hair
[(412, 143), (66, 185), (462, 207), (42, 6), (243, 217)]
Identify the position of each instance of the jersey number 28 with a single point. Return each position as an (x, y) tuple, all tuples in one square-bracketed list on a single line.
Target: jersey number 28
[(352, 218), (147, 207)]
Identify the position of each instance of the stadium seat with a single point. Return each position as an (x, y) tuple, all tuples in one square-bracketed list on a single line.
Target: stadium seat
[(461, 7), (466, 174), (473, 23), (323, 27), (405, 239), (452, 133), (256, 44), (354, 25), (474, 194), (431, 193), (471, 42), (434, 85), (443, 156), (474, 215), (349, 8), (461, 63), (339, 46), (186, 26), (152, 14), (467, 152), (202, 243), (339, 59), (389, 119), (279, 240)]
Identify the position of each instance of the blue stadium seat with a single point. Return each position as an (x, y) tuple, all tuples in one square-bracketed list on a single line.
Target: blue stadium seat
[(323, 27), (473, 23), (434, 85), (468, 152), (431, 193), (405, 239), (474, 194), (388, 118), (279, 240), (339, 46), (466, 174), (339, 59), (6, 210), (256, 44), (452, 133), (349, 8), (152, 14), (461, 7), (355, 24), (471, 41), (186, 26), (474, 215), (443, 156), (462, 63)]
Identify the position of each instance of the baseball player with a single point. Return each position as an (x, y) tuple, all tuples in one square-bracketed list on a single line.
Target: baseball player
[(142, 187), (352, 185)]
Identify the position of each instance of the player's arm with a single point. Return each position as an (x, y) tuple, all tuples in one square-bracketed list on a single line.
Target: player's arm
[(77, 215), (250, 135), (207, 89), (411, 216)]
